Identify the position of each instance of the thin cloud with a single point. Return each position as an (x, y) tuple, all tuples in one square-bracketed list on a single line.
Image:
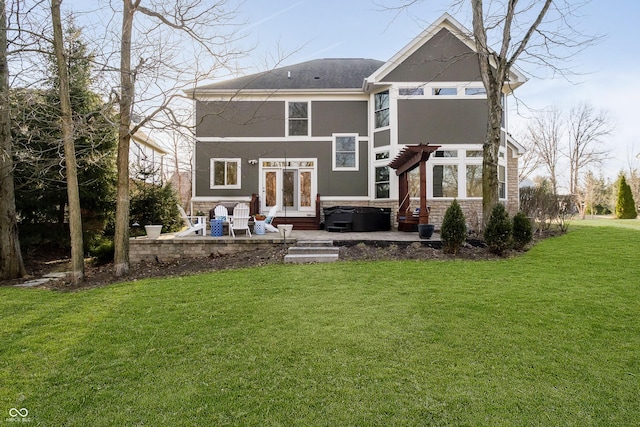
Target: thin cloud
[(274, 15)]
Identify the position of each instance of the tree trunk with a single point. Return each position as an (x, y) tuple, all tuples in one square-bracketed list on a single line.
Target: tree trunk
[(493, 76), (490, 149), (121, 239), (11, 263), (75, 218)]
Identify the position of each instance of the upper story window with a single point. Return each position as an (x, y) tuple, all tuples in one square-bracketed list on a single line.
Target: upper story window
[(442, 91), (382, 109), (345, 152), (298, 116), (475, 91), (411, 91), (225, 173)]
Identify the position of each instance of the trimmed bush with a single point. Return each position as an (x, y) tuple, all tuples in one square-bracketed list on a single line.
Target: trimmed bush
[(497, 233), (103, 253), (522, 232), (625, 206), (454, 228), (155, 204)]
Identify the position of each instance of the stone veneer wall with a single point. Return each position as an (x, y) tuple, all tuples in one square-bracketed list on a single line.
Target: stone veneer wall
[(143, 249), (513, 183)]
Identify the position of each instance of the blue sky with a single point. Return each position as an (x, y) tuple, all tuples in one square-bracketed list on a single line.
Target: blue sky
[(310, 29)]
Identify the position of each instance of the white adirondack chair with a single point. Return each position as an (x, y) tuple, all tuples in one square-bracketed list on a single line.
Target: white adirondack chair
[(193, 223), (240, 219), (268, 226)]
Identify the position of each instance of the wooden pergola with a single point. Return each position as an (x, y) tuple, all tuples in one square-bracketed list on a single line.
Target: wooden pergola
[(411, 157)]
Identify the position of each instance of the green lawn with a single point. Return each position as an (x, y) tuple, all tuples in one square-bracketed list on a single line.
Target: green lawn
[(551, 338)]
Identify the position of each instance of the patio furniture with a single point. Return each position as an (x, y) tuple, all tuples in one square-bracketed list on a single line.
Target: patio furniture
[(194, 223), (268, 226), (240, 219), (223, 215)]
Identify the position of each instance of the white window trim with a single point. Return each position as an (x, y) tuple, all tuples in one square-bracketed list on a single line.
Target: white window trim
[(286, 122), (356, 167), (236, 160), (462, 162), (373, 104), (428, 90), (381, 163)]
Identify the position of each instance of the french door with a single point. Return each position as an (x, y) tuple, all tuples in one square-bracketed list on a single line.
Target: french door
[(289, 184)]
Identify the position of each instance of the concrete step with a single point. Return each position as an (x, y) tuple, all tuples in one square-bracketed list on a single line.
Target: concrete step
[(309, 250), (309, 258), (314, 243)]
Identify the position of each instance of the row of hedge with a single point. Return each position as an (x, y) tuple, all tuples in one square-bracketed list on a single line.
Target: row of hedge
[(500, 234)]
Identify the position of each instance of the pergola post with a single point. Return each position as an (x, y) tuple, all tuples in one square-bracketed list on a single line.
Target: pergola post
[(411, 157)]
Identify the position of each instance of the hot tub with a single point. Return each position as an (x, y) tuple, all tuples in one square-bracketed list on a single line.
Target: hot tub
[(357, 218)]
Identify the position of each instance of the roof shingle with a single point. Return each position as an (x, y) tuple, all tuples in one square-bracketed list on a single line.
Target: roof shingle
[(333, 73)]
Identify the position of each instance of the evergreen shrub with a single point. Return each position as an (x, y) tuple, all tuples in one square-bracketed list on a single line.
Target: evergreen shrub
[(522, 231), (497, 233), (625, 205), (454, 228)]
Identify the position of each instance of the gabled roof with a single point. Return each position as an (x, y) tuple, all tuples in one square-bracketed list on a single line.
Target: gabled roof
[(319, 74), (142, 138), (344, 73), (449, 23)]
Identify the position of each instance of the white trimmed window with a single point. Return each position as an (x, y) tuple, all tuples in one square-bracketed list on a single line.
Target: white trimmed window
[(345, 152), (502, 186), (445, 181), (381, 112), (298, 118), (382, 172), (225, 173)]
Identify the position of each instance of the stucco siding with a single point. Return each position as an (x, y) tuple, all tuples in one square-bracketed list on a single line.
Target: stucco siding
[(442, 121), (240, 119), (329, 117), (442, 58)]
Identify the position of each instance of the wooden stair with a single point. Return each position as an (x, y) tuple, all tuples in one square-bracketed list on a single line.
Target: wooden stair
[(299, 223)]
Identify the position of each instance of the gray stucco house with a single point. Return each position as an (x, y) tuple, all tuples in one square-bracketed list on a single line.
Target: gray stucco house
[(323, 133)]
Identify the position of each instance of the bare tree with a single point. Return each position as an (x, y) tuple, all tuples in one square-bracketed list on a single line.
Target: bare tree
[(73, 194), (544, 135), (11, 263), (495, 67), (529, 161), (180, 43), (586, 130)]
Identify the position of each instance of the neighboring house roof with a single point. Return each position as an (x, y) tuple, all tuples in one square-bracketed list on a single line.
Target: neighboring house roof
[(330, 73), (144, 139)]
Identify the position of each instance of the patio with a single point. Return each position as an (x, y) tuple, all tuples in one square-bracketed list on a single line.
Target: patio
[(170, 247)]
